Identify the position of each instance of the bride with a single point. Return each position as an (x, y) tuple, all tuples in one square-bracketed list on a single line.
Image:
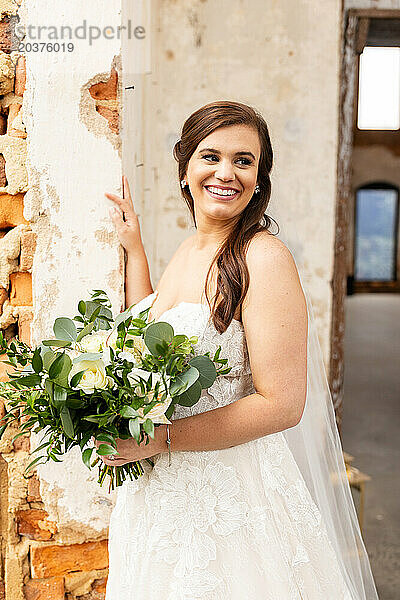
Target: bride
[(255, 503)]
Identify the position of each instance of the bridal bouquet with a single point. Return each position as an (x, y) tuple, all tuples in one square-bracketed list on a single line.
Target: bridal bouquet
[(102, 378)]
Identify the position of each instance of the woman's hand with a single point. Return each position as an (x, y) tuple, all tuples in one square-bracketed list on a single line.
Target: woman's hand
[(129, 450), (125, 219)]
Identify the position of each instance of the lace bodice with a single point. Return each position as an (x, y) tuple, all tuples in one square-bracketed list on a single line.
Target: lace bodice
[(232, 523), (195, 319)]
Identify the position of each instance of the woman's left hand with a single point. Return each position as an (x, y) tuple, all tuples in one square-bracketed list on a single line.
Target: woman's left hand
[(130, 451)]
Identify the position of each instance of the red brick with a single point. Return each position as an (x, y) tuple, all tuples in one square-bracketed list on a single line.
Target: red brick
[(21, 289), (45, 589), (11, 210), (49, 561), (5, 369), (33, 489), (3, 123), (20, 76), (25, 317), (3, 298), (28, 247), (11, 129), (112, 116), (6, 30), (3, 177), (98, 591), (22, 443), (106, 90), (33, 524)]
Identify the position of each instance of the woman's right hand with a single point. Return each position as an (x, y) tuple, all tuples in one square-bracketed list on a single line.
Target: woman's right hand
[(128, 230)]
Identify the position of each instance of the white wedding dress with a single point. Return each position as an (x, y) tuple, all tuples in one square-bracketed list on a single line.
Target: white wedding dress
[(229, 524)]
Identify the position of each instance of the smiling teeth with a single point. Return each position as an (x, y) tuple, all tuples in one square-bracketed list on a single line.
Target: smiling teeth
[(221, 192)]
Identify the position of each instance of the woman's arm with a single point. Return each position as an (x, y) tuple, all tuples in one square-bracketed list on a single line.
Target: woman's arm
[(137, 276), (275, 322), (125, 219)]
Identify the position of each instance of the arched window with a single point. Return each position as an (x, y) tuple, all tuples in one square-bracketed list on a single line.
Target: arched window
[(376, 224)]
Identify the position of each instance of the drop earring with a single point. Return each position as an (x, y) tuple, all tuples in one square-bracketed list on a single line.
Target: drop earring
[(183, 183), (257, 189)]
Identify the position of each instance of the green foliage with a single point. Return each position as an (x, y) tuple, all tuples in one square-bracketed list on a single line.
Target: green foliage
[(42, 396)]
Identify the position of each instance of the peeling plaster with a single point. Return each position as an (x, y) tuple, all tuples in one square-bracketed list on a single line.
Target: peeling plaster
[(14, 152), (10, 249), (72, 159), (8, 8), (88, 114)]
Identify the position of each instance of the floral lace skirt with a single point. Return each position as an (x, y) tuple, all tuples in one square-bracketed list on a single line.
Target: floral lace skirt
[(221, 525)]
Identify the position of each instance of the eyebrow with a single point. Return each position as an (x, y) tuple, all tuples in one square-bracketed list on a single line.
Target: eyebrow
[(236, 153)]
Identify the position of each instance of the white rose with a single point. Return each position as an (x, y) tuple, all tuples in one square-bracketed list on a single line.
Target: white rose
[(157, 413), (96, 341), (94, 376), (72, 353)]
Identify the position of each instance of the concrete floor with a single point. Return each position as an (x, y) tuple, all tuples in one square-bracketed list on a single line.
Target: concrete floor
[(371, 425)]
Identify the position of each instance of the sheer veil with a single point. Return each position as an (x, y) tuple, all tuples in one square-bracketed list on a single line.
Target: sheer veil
[(316, 447)]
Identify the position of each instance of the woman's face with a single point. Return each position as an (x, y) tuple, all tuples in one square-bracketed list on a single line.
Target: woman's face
[(222, 171)]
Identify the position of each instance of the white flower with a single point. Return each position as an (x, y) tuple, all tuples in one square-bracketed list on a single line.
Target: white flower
[(96, 341), (157, 413), (72, 353), (129, 356), (94, 377)]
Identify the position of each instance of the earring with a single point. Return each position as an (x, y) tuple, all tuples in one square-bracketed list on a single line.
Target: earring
[(257, 189), (183, 183)]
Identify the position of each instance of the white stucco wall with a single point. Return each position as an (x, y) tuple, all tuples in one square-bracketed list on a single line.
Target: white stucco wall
[(72, 161), (281, 57)]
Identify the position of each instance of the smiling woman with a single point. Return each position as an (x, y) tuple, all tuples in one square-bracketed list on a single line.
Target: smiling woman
[(256, 502)]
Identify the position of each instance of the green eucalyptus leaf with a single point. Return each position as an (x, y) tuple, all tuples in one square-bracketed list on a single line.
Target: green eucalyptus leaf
[(82, 307), (156, 334), (65, 329), (87, 356), (206, 369), (76, 379), (48, 356), (184, 381), (57, 365), (85, 331), (190, 396), (56, 343)]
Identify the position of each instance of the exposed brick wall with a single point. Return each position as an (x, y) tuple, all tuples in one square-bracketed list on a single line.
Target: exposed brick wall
[(35, 564), (105, 94)]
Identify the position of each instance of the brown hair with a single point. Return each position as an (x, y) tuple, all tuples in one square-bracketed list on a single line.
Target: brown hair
[(233, 275)]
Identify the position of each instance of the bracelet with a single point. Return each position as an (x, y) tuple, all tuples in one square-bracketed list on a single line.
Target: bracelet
[(169, 446)]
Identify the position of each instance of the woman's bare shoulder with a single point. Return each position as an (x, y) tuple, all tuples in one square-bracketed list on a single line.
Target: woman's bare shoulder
[(267, 248)]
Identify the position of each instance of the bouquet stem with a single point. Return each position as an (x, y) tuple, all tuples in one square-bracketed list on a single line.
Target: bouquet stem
[(120, 473)]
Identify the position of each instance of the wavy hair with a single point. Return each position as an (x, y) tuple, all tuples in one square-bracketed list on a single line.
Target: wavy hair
[(230, 258)]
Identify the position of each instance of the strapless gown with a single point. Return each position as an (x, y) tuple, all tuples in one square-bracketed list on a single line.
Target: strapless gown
[(237, 523)]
